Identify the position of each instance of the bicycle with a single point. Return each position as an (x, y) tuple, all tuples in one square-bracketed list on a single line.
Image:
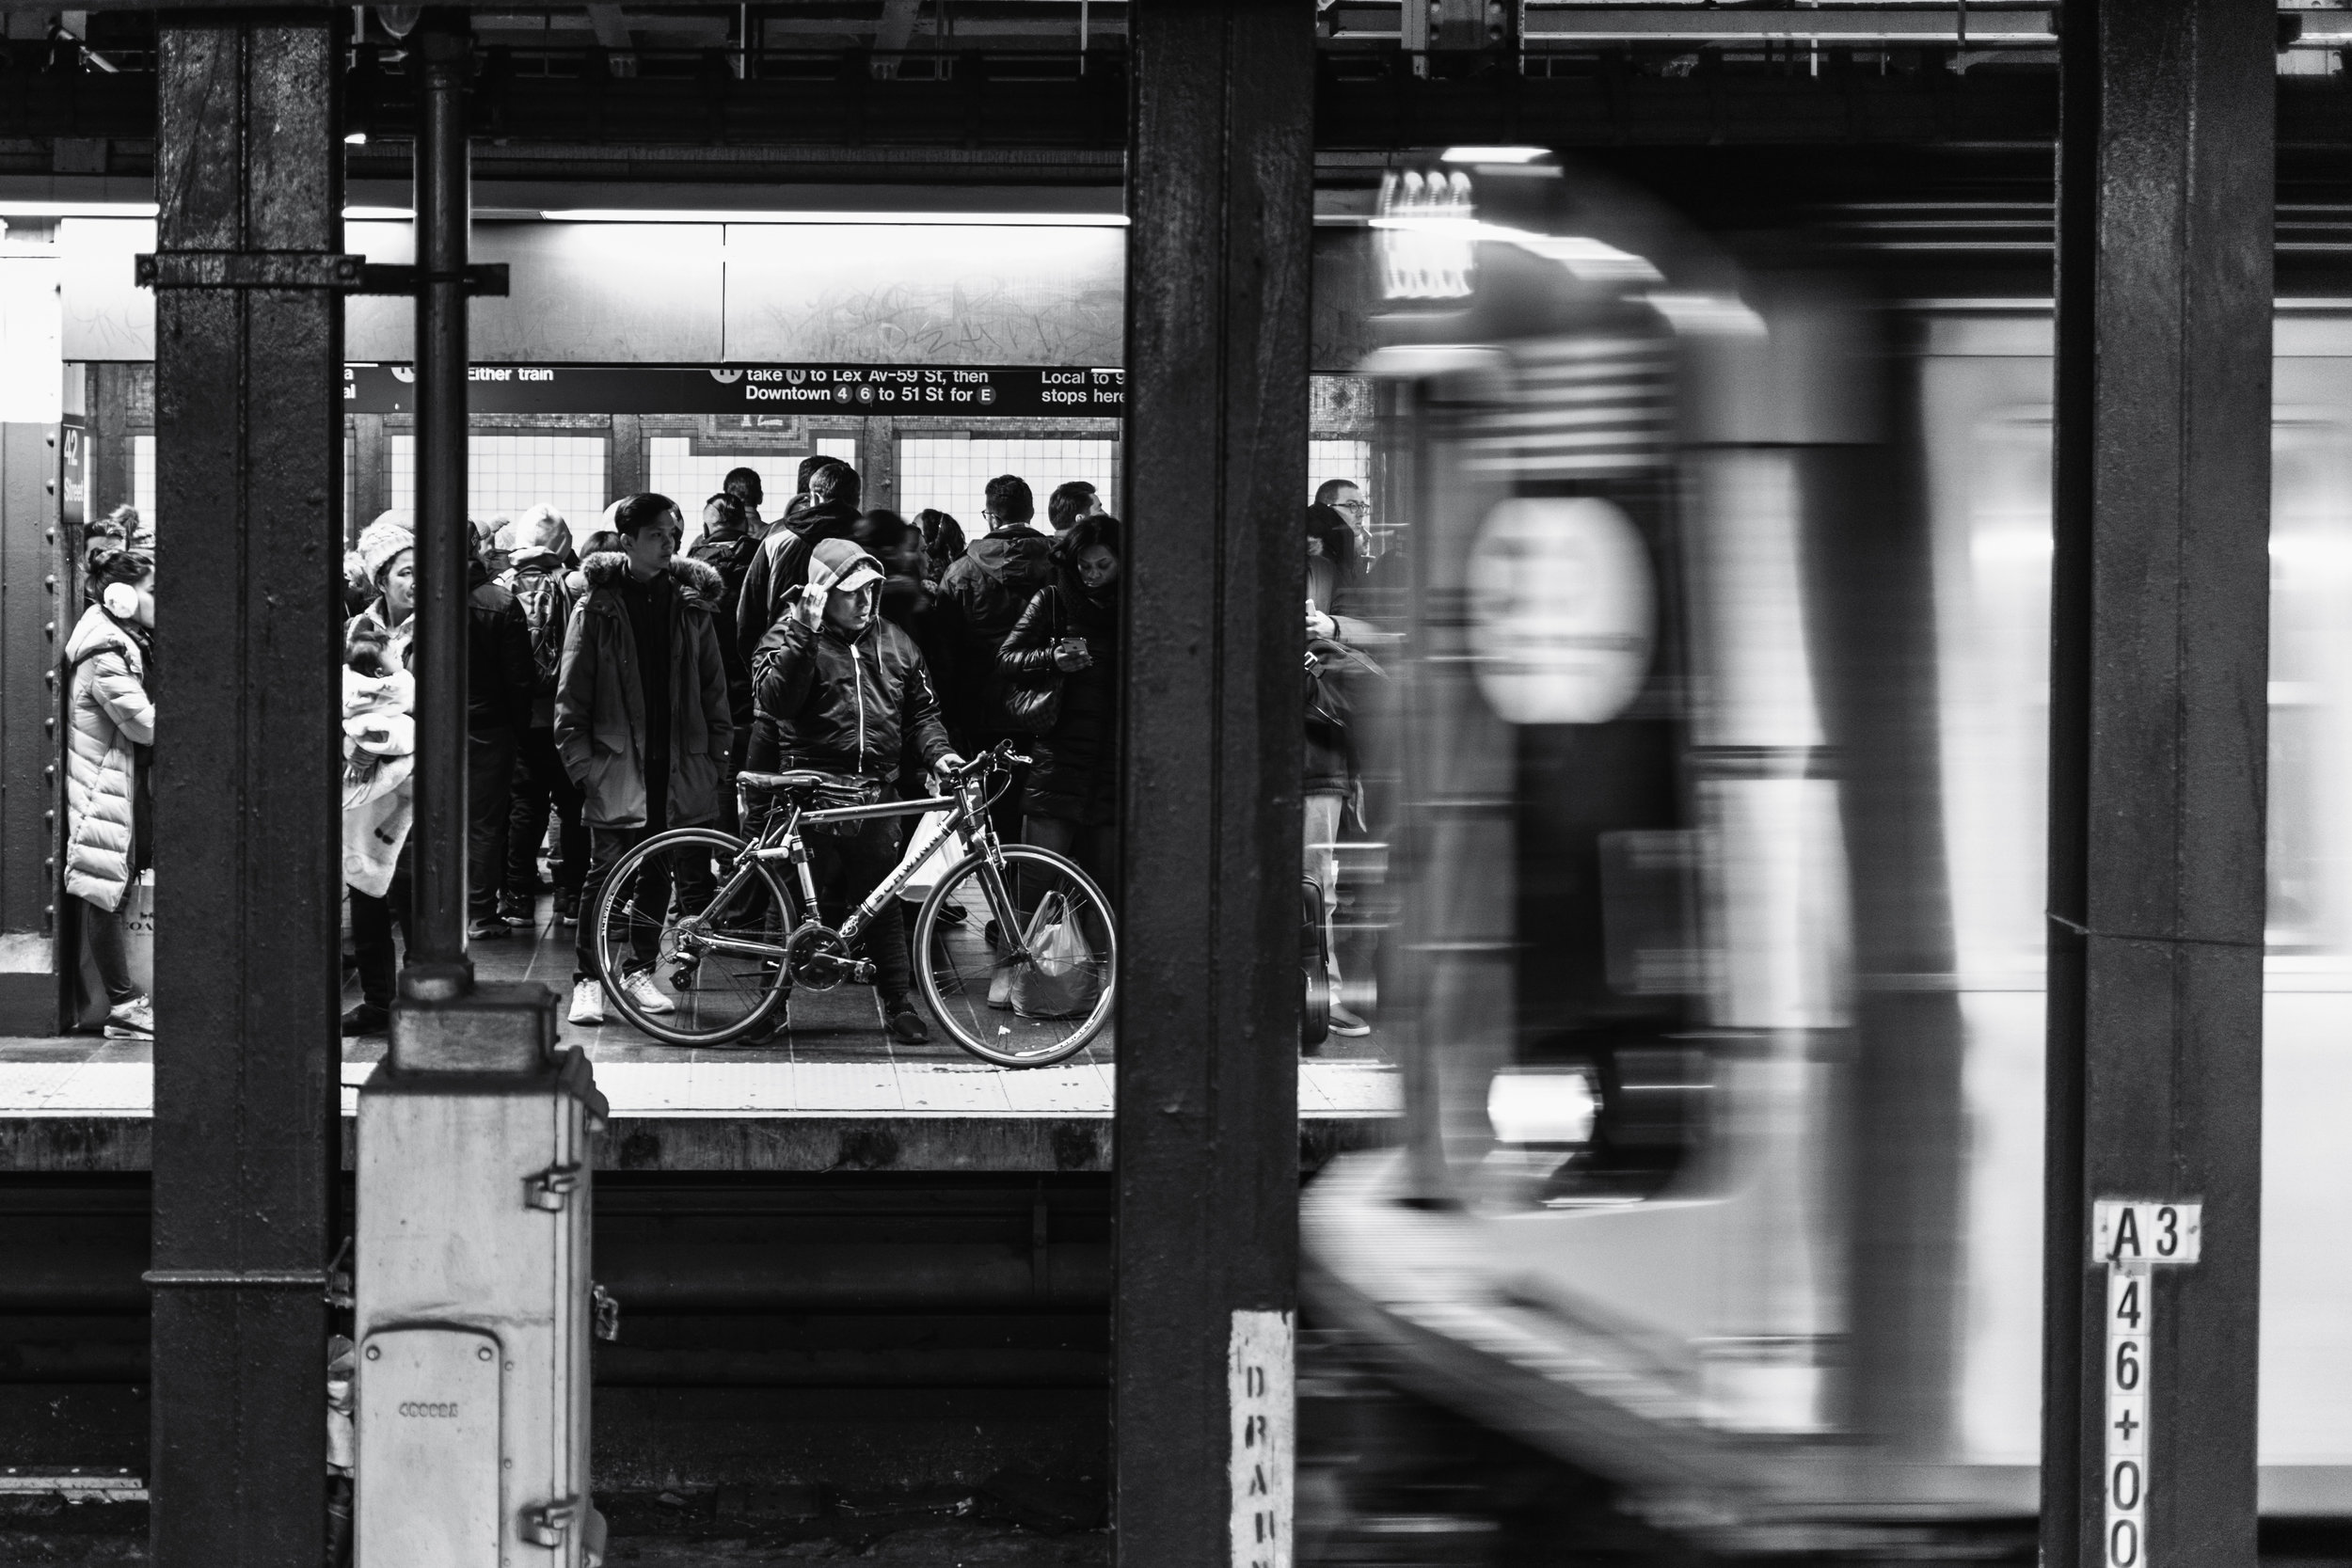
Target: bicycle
[(1014, 951)]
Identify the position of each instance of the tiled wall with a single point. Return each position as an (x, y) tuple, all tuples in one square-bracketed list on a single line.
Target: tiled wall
[(953, 475), (506, 475)]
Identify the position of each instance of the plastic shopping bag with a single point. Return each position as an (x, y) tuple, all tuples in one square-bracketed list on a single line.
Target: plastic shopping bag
[(1062, 978), (933, 865)]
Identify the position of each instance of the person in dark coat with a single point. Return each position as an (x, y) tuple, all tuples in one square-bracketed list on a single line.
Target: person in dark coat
[(1334, 572), (743, 485), (782, 563), (641, 717), (501, 681), (1000, 572), (1071, 804), (838, 686), (912, 603), (728, 546), (943, 542)]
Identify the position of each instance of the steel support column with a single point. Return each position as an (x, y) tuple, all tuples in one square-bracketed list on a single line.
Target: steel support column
[(438, 968), (2159, 611), (1220, 195), (249, 367)]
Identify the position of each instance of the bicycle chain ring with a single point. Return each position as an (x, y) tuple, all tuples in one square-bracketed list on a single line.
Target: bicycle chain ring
[(815, 957)]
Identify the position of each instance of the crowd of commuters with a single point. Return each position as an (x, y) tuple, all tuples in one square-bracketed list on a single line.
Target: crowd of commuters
[(616, 688)]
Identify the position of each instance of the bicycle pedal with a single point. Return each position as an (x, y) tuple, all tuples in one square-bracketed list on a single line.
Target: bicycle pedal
[(863, 971)]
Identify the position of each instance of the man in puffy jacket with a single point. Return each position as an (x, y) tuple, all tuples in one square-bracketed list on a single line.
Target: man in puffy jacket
[(837, 687), (998, 574), (641, 717), (782, 565)]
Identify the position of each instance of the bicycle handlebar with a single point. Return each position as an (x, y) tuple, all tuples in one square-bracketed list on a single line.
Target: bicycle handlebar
[(1000, 754)]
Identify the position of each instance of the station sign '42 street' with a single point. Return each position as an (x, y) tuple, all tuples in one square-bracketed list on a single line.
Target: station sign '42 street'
[(970, 391)]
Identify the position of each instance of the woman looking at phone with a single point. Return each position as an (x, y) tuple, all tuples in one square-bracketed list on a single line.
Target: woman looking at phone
[(1072, 627)]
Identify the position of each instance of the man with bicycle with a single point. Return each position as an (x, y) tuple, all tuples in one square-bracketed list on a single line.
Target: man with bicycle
[(834, 687)]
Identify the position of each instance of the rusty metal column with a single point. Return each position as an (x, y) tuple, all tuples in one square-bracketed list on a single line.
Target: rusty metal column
[(438, 968), (248, 351), (1220, 192), (2159, 611)]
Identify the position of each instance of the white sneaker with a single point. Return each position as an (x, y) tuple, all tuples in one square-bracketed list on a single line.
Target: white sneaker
[(134, 1019), (642, 992), (587, 1002)]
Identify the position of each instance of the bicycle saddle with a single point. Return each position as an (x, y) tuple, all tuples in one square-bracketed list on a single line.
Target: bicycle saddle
[(801, 784)]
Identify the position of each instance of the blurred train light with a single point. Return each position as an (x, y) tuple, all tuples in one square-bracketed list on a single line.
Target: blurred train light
[(1492, 154), (1426, 237), (1561, 610), (1545, 1110), (1707, 315)]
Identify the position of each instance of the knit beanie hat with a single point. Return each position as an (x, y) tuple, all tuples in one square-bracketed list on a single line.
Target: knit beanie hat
[(383, 539)]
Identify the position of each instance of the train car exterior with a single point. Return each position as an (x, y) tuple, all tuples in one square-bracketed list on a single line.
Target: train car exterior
[(1721, 858)]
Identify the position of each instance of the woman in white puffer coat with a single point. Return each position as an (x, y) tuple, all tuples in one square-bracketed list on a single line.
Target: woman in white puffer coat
[(112, 729)]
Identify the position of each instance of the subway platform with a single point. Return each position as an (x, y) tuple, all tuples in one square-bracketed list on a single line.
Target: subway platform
[(832, 1093)]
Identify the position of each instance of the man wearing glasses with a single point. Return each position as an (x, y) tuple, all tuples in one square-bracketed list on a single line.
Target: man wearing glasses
[(1346, 498)]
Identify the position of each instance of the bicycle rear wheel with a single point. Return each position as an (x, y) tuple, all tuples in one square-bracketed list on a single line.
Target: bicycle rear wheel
[(706, 935), (1020, 972)]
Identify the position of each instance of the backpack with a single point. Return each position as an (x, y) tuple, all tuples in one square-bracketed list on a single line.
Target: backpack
[(547, 607)]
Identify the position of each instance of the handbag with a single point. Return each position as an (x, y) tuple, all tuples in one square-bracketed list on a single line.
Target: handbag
[(1032, 701)]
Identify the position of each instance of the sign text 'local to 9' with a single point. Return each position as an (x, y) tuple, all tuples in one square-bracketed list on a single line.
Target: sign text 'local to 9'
[(972, 391)]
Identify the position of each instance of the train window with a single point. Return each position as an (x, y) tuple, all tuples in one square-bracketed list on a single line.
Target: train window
[(1993, 592)]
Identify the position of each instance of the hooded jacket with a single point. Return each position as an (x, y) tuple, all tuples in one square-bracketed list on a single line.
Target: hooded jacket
[(112, 714), (842, 703), (987, 588), (600, 718), (782, 565)]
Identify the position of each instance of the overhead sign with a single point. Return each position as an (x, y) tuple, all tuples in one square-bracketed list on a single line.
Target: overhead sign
[(980, 392)]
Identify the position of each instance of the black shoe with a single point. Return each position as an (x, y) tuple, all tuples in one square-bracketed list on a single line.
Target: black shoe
[(489, 929), (903, 1023), (367, 1019), (517, 911), (568, 906)]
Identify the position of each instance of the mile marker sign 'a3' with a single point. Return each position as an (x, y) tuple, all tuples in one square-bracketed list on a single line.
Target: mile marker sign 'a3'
[(2133, 1239)]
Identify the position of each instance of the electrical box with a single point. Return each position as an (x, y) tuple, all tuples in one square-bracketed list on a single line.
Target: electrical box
[(472, 1302)]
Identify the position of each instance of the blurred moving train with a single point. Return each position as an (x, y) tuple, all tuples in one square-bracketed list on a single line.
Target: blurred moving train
[(1723, 701)]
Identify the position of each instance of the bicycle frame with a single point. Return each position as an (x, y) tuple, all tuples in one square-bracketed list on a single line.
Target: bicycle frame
[(967, 818)]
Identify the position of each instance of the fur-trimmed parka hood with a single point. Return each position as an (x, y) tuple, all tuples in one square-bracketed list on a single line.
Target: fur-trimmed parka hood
[(698, 585)]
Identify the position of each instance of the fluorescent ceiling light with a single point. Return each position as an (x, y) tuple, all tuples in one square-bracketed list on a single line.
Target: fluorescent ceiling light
[(383, 214), (1022, 221), (77, 209), (1494, 154), (356, 138)]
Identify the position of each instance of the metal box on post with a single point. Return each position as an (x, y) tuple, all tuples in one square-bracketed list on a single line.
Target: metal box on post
[(473, 1313)]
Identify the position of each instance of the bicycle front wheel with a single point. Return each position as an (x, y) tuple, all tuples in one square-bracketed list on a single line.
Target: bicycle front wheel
[(690, 938), (1021, 969)]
